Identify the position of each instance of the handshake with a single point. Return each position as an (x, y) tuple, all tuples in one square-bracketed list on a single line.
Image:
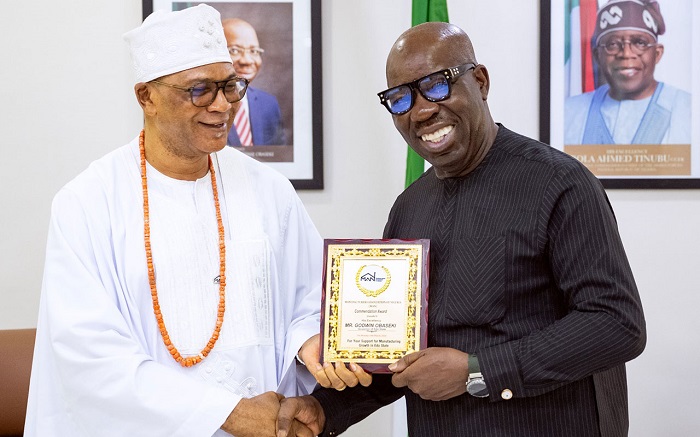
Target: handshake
[(435, 374), (272, 415)]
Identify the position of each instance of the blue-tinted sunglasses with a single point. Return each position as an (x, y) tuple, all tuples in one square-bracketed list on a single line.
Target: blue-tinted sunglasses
[(434, 87)]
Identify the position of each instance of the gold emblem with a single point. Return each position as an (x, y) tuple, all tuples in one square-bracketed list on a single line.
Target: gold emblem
[(372, 280)]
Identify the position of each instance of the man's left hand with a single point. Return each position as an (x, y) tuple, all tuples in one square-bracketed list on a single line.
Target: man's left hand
[(434, 374)]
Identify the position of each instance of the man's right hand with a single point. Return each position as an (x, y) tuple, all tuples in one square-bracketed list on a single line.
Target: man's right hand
[(327, 375), (254, 417), (304, 409)]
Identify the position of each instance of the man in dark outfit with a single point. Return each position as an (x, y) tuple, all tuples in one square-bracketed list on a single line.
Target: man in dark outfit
[(533, 308)]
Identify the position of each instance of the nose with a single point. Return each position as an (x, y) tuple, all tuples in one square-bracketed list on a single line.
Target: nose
[(423, 108), (626, 51), (220, 104), (246, 58)]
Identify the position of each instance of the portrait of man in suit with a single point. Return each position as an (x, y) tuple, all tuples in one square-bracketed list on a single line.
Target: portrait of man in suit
[(258, 122)]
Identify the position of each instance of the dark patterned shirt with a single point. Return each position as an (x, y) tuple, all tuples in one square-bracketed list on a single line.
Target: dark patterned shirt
[(527, 270)]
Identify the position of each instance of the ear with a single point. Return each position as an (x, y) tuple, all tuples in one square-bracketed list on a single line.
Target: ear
[(481, 74), (659, 51), (145, 98)]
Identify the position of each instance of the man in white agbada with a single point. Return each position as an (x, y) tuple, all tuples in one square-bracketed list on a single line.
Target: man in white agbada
[(201, 348)]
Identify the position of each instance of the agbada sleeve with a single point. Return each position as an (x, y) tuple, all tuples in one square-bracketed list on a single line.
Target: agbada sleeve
[(302, 268)]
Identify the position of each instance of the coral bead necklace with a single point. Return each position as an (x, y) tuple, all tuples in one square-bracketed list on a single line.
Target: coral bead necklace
[(191, 360)]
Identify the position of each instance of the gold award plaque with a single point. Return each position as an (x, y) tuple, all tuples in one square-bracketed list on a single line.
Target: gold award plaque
[(374, 301)]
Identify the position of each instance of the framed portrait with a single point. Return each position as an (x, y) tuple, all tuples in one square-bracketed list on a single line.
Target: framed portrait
[(276, 45), (620, 88)]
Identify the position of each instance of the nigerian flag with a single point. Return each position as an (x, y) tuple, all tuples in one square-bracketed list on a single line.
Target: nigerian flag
[(572, 48), (423, 11), (578, 51)]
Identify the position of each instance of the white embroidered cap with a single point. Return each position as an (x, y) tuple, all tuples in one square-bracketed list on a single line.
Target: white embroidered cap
[(169, 42)]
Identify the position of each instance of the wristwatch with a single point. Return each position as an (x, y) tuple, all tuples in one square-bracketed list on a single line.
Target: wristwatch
[(476, 386)]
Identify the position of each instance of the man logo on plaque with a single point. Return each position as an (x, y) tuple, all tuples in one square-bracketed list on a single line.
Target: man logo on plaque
[(373, 280)]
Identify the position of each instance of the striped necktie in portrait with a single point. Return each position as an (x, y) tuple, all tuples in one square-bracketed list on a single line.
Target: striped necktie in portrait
[(242, 125)]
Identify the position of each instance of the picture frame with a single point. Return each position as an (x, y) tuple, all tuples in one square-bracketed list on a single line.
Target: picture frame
[(289, 31), (674, 165), (374, 304)]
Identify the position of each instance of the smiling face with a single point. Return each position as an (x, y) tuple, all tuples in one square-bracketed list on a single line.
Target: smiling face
[(242, 35), (182, 129), (454, 134), (630, 75)]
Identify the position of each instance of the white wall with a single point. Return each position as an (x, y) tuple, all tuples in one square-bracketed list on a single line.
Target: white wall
[(67, 99)]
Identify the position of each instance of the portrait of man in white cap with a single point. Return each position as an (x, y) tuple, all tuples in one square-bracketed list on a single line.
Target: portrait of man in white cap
[(630, 105), (182, 278)]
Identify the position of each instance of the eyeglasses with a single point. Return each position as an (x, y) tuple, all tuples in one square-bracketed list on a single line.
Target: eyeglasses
[(637, 45), (434, 87), (203, 94), (238, 51)]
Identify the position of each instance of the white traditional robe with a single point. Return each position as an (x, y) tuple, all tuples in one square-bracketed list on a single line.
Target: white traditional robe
[(100, 365)]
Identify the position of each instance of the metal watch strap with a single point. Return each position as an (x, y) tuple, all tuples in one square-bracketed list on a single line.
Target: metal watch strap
[(473, 363), (476, 386)]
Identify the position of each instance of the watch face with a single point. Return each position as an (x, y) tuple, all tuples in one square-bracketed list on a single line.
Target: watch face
[(477, 388)]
